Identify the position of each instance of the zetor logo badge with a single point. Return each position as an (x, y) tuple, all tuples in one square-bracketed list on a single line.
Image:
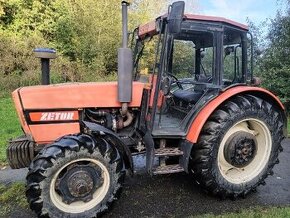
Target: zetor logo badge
[(57, 116), (54, 116)]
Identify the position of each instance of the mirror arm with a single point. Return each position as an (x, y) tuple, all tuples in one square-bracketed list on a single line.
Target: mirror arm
[(252, 56)]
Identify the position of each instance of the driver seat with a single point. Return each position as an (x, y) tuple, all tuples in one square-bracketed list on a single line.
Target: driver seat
[(190, 96)]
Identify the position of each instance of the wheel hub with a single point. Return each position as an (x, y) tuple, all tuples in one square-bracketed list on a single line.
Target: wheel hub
[(79, 183), (240, 149)]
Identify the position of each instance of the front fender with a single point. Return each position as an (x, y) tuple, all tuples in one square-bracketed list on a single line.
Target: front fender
[(93, 128)]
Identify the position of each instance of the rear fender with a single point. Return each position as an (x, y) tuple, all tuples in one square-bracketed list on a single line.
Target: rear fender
[(96, 129), (207, 110)]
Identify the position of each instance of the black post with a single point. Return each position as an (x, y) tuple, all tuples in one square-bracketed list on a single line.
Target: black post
[(197, 62), (45, 69), (45, 54)]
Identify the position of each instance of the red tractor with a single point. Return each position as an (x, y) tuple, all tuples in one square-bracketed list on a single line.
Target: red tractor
[(185, 96)]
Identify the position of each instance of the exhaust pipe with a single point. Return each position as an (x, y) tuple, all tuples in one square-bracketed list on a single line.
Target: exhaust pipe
[(125, 24), (125, 64)]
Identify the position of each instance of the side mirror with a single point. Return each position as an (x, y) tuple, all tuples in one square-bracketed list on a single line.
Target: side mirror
[(175, 17)]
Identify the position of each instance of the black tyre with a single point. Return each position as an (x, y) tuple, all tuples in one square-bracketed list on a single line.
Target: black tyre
[(238, 146), (76, 176)]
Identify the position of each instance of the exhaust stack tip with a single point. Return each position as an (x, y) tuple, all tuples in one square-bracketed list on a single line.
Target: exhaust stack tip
[(125, 2)]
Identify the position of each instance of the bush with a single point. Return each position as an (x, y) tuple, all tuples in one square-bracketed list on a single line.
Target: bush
[(85, 33)]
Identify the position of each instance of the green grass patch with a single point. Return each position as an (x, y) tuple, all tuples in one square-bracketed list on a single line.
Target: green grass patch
[(11, 197), (283, 212), (9, 125)]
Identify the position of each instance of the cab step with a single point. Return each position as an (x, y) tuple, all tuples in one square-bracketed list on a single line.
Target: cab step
[(167, 169), (160, 152)]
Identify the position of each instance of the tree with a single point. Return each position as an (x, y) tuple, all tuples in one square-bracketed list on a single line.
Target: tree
[(86, 34), (275, 63), (90, 31)]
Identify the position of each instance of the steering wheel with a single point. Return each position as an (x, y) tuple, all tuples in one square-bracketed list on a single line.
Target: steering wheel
[(178, 83)]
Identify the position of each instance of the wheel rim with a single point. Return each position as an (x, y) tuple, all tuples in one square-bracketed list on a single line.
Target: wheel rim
[(80, 186), (258, 139)]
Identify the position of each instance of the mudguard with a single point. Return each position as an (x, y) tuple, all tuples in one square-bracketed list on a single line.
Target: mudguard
[(93, 128)]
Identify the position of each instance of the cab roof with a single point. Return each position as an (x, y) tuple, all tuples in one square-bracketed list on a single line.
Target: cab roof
[(150, 28)]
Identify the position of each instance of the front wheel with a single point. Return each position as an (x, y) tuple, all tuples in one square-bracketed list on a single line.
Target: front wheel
[(77, 176), (238, 146)]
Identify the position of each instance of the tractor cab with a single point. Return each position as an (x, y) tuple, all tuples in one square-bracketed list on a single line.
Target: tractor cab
[(190, 64)]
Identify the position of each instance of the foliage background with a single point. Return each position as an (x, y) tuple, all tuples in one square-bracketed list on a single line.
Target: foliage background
[(87, 33), (273, 64)]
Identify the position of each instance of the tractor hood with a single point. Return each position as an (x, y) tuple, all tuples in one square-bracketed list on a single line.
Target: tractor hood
[(75, 95), (49, 112)]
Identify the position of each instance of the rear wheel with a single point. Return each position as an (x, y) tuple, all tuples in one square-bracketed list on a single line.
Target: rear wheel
[(238, 146), (77, 176)]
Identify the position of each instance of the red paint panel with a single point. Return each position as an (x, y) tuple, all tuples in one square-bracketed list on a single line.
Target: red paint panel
[(77, 95), (147, 29), (203, 115), (19, 110), (54, 116), (152, 81), (47, 133)]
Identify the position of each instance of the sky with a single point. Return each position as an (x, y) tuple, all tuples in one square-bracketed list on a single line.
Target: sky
[(238, 10)]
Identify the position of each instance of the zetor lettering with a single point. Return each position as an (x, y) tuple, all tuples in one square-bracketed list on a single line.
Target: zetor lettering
[(57, 116)]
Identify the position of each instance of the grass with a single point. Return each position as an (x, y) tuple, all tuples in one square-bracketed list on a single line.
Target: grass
[(277, 212), (9, 125), (11, 197)]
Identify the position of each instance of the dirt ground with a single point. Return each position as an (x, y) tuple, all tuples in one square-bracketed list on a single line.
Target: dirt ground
[(176, 196)]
